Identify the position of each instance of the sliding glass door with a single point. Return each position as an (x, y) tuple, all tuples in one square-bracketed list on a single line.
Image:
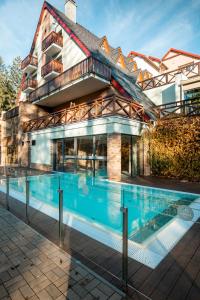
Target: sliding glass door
[(129, 158), (82, 154)]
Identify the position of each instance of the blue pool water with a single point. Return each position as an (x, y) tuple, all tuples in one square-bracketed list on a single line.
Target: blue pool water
[(99, 201)]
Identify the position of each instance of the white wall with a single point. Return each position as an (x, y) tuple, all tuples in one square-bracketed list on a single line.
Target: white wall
[(142, 64), (167, 93), (71, 53)]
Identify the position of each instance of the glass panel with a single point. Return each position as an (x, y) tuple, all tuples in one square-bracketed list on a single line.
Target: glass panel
[(69, 147), (69, 155), (85, 165), (70, 165), (134, 156), (101, 167), (126, 154), (101, 146), (85, 146), (59, 155)]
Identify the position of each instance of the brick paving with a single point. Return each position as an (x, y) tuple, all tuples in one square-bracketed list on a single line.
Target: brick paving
[(33, 268)]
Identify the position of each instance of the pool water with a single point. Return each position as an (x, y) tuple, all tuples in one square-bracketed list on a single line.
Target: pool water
[(98, 201)]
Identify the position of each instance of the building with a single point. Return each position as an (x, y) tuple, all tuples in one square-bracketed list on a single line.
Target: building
[(83, 105), (79, 107), (176, 78)]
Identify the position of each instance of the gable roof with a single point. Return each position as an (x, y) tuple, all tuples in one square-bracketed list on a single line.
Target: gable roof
[(149, 59), (197, 56), (90, 44)]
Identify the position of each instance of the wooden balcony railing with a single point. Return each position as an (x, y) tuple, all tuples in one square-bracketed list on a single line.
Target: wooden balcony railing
[(29, 83), (12, 113), (52, 66), (29, 60), (52, 38), (85, 67), (110, 106), (188, 107), (189, 71)]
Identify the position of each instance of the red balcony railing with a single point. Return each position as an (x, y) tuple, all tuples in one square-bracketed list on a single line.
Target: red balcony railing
[(88, 66), (52, 66), (29, 83), (29, 60), (52, 38)]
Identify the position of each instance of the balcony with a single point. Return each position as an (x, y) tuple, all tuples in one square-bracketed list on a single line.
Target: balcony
[(52, 44), (29, 64), (51, 69), (88, 76), (29, 85), (97, 108), (190, 71)]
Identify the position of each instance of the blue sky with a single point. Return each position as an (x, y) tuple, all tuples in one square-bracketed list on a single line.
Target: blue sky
[(150, 27)]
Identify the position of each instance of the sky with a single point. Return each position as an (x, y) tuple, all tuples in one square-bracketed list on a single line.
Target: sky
[(150, 27)]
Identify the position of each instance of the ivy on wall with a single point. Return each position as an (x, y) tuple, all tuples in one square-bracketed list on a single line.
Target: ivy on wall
[(175, 148)]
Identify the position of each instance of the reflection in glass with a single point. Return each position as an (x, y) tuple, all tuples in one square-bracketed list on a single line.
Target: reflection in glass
[(101, 145), (85, 165), (129, 161), (85, 146)]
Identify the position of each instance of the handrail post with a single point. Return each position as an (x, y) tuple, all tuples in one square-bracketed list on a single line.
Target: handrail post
[(27, 199), (124, 211), (61, 239), (7, 192)]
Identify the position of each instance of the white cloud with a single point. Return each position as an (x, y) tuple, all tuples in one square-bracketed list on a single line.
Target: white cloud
[(134, 25)]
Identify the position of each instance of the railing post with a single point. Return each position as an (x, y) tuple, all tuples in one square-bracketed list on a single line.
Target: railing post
[(27, 199), (7, 192), (61, 237), (124, 211)]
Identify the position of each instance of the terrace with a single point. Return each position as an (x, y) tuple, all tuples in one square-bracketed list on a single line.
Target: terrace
[(189, 71), (84, 78), (102, 107)]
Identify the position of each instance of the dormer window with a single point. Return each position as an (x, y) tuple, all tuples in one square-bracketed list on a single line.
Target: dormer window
[(105, 46)]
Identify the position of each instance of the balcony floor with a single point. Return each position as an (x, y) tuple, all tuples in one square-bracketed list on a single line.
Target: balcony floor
[(76, 89)]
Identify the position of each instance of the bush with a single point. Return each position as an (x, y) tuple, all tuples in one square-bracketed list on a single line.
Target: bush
[(175, 148)]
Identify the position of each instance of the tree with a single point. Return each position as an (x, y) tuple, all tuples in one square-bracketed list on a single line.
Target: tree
[(15, 73), (10, 78)]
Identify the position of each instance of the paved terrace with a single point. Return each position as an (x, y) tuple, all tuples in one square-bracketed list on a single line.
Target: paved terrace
[(32, 268)]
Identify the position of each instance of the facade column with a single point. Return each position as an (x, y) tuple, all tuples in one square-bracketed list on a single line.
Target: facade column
[(114, 156)]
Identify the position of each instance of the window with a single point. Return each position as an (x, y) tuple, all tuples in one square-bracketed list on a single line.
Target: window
[(33, 142)]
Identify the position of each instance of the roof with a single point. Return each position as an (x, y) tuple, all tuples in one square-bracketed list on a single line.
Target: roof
[(197, 56), (124, 77), (150, 59)]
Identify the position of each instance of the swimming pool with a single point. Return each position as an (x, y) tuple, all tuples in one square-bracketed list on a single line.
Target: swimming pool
[(95, 205)]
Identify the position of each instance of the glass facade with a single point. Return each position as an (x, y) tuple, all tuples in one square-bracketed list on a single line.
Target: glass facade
[(129, 160), (89, 154), (82, 154)]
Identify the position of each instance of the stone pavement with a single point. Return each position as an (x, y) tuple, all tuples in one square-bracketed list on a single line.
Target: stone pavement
[(32, 268)]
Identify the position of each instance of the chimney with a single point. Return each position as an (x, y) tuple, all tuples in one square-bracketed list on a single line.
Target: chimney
[(70, 9)]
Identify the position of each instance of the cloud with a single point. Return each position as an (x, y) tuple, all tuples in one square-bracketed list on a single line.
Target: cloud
[(17, 26), (177, 32), (131, 24)]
